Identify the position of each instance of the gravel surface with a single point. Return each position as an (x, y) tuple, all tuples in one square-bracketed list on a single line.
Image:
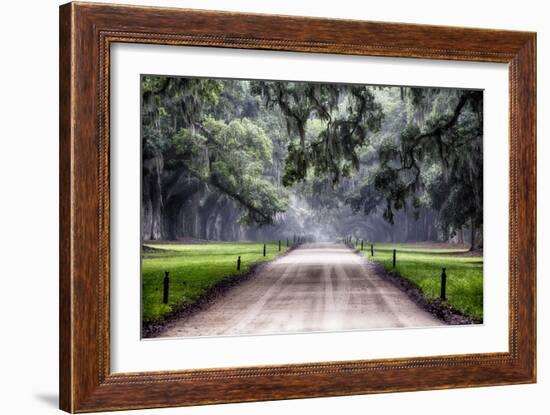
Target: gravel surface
[(316, 287)]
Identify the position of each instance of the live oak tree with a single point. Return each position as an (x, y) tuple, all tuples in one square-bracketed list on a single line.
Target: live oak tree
[(168, 104), (187, 152), (232, 158), (435, 160), (348, 113)]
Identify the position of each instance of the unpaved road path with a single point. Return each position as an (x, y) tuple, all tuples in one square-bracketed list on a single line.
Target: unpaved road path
[(317, 287)]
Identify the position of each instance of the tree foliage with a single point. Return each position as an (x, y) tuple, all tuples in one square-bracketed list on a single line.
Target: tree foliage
[(347, 112), (231, 157), (277, 152), (437, 159)]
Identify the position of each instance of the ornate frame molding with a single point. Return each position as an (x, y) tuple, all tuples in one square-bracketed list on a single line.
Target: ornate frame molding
[(86, 34)]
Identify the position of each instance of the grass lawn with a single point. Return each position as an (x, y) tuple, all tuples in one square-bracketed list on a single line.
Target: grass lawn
[(422, 265), (193, 269)]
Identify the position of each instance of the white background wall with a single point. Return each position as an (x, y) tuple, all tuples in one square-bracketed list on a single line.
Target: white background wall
[(29, 207)]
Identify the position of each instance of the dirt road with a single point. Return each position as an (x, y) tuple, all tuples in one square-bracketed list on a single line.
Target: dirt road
[(317, 287)]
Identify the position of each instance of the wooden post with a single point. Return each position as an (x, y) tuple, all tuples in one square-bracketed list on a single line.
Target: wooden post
[(287, 242), (361, 244), (443, 285), (166, 287), (264, 249), (239, 263), (279, 244), (394, 258), (371, 250)]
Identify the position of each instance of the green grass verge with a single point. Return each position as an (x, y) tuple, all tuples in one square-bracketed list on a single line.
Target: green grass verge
[(194, 268), (422, 265)]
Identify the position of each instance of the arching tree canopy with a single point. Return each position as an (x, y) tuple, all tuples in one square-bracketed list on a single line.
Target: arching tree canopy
[(238, 159), (347, 114), (437, 159)]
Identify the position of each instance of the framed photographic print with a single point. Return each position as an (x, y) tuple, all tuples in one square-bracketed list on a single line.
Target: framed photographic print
[(260, 207)]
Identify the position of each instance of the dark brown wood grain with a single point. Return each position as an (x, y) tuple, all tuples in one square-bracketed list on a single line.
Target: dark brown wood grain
[(86, 33), (65, 249)]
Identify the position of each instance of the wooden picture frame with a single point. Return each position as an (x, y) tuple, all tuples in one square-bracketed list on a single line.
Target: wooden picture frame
[(86, 33)]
